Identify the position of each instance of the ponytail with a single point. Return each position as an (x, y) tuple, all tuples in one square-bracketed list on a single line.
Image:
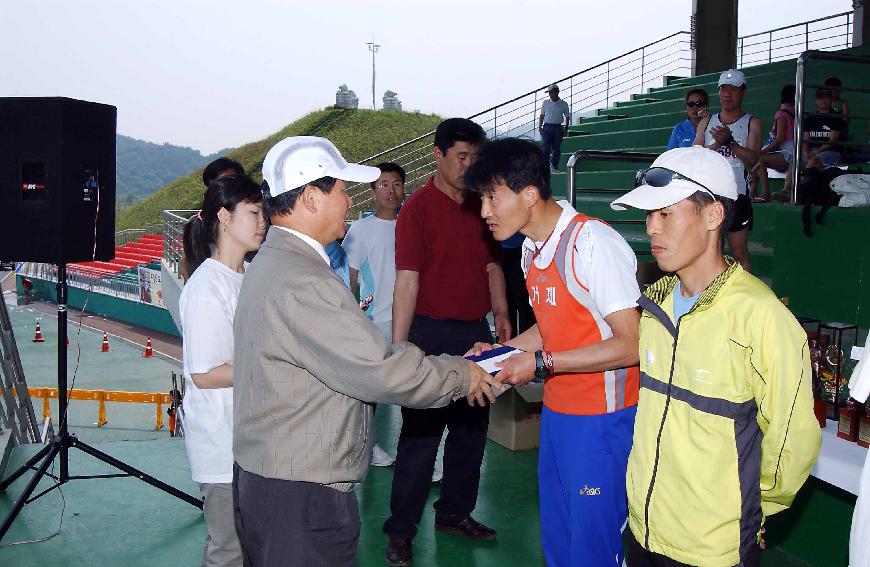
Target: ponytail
[(196, 239)]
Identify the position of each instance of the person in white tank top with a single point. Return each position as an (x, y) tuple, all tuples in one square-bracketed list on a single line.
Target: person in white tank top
[(737, 136)]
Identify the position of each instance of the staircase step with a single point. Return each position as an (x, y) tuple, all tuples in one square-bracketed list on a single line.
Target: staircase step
[(601, 118)]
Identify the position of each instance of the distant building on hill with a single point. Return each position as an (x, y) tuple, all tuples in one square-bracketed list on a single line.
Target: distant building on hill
[(346, 98), (392, 102)]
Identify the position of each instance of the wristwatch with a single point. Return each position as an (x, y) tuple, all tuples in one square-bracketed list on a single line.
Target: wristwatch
[(541, 369)]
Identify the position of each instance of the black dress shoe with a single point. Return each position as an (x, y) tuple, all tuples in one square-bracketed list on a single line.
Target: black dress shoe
[(398, 552), (470, 528)]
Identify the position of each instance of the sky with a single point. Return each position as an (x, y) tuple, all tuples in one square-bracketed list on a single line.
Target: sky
[(216, 74)]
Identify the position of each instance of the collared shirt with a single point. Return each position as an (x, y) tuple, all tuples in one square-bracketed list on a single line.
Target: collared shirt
[(602, 261), (318, 247), (555, 112)]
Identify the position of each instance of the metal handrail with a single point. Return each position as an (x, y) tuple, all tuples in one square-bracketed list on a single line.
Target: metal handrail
[(605, 83), (606, 155), (173, 234), (802, 29), (800, 84)]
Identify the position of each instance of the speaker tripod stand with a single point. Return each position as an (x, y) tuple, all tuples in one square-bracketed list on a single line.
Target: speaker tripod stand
[(63, 441)]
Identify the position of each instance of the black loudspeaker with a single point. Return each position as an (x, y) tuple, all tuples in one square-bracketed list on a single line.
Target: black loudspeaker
[(57, 180)]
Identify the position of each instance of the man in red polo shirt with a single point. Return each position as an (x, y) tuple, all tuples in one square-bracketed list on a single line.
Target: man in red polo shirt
[(448, 278)]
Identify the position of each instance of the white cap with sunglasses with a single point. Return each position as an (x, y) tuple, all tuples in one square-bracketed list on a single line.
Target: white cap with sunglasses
[(676, 175), (294, 162)]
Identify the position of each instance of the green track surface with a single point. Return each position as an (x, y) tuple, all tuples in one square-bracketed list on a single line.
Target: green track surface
[(125, 522)]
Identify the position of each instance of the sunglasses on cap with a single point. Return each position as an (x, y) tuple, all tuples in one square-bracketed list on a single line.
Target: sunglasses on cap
[(695, 103), (660, 177)]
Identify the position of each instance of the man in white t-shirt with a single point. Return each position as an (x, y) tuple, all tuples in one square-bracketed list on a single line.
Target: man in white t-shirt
[(370, 245)]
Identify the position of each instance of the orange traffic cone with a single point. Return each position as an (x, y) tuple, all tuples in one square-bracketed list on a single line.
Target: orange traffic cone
[(149, 352), (37, 338), (105, 347)]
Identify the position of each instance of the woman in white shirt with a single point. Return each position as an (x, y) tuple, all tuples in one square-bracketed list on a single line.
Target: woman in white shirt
[(230, 224)]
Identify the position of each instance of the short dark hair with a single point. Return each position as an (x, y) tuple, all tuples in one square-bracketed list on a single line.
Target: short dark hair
[(701, 199), (787, 94), (514, 162), (212, 170), (455, 130), (700, 92), (824, 93), (833, 82), (388, 166), (284, 203)]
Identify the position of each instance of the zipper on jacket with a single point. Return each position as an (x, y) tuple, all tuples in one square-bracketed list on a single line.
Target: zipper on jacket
[(652, 481)]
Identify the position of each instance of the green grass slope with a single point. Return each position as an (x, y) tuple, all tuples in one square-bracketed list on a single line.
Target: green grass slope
[(357, 133)]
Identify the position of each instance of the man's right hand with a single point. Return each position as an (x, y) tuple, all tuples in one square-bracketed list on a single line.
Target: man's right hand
[(479, 386), (478, 349)]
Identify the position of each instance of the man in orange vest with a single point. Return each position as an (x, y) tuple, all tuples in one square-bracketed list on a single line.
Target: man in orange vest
[(580, 274)]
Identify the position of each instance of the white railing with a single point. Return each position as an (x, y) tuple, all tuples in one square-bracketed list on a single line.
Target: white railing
[(83, 278), (173, 233), (612, 81), (823, 34)]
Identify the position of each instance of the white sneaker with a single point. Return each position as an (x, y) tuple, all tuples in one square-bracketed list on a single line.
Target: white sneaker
[(437, 473), (553, 169), (380, 458)]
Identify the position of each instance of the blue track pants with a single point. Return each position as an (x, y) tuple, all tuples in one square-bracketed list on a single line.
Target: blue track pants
[(581, 486)]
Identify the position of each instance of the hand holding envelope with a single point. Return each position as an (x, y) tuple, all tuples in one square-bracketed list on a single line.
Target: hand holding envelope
[(508, 365)]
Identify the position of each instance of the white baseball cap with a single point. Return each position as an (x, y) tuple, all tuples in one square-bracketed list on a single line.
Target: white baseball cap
[(553, 87), (297, 161), (732, 77), (696, 169)]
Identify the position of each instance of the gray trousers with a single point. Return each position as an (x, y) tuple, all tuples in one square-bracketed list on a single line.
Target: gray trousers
[(294, 524), (222, 548)]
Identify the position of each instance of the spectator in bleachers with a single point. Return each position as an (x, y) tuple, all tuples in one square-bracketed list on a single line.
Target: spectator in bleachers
[(778, 151), (737, 136), (683, 136), (838, 104), (821, 132), (216, 239), (551, 128)]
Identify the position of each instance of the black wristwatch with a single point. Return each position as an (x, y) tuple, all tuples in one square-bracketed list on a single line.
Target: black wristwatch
[(541, 370)]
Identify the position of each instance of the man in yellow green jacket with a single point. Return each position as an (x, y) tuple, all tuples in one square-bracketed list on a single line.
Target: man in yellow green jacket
[(725, 433)]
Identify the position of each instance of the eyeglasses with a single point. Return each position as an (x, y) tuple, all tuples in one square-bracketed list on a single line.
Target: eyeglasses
[(695, 103), (660, 177)]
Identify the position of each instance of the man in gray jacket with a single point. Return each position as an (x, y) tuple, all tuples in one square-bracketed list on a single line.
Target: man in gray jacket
[(308, 365)]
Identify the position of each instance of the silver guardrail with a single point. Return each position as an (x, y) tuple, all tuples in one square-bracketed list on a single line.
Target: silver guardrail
[(800, 110), (82, 277), (779, 44), (173, 234), (600, 155), (585, 91)]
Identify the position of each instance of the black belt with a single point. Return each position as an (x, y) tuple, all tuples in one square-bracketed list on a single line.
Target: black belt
[(453, 321)]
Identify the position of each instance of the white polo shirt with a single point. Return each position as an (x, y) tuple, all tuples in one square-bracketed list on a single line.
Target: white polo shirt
[(555, 112)]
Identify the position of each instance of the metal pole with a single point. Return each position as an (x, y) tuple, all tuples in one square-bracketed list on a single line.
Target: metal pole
[(607, 92), (642, 61), (807, 36), (798, 129), (62, 369), (373, 47), (769, 47), (741, 52)]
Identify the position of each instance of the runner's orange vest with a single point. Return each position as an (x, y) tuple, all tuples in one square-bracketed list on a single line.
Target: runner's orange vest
[(568, 322)]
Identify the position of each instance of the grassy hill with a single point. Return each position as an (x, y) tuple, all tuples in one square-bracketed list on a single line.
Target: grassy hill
[(357, 133), (144, 167)]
